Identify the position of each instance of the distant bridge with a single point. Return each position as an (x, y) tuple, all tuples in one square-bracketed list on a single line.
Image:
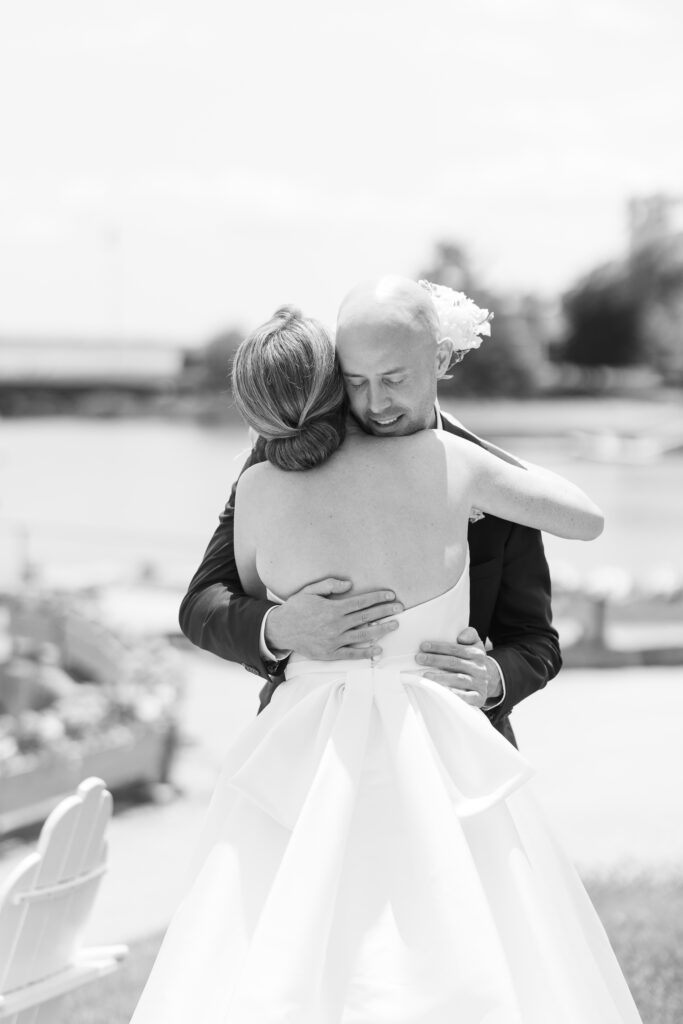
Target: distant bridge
[(45, 363)]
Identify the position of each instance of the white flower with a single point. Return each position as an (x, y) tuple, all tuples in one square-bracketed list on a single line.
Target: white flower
[(475, 515), (460, 319)]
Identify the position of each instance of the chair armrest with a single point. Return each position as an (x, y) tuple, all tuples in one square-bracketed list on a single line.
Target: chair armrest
[(92, 964)]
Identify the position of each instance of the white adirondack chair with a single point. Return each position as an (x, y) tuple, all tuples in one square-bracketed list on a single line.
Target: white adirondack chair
[(44, 906)]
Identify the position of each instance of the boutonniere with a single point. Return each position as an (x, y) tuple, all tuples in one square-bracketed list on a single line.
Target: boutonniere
[(475, 515)]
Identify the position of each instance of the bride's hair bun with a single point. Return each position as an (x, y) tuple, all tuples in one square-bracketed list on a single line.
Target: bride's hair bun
[(313, 444), (288, 386)]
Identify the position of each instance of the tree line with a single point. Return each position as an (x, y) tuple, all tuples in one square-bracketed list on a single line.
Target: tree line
[(622, 315)]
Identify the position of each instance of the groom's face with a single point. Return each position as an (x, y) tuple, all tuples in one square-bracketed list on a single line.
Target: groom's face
[(390, 372)]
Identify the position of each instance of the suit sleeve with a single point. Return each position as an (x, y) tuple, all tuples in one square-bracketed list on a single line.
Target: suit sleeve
[(215, 613), (525, 644)]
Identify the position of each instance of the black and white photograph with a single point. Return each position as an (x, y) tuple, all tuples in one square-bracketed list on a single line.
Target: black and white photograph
[(341, 512)]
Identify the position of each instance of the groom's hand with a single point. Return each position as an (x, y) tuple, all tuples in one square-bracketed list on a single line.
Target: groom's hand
[(464, 667), (313, 625)]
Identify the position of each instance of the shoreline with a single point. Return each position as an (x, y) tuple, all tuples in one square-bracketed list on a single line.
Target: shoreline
[(547, 415)]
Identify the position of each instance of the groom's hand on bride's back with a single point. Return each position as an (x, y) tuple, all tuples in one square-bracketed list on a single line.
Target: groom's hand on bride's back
[(318, 623), (464, 667)]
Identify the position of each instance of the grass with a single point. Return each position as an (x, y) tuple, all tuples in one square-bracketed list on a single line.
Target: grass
[(643, 918)]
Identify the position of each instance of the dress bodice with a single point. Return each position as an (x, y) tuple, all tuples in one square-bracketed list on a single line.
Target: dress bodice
[(441, 618)]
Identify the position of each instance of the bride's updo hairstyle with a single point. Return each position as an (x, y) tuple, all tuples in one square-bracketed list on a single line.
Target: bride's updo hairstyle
[(288, 386)]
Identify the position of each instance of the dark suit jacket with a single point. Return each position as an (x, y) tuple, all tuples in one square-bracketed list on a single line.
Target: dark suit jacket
[(509, 604)]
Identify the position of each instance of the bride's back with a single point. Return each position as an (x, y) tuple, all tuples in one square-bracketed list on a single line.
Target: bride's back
[(382, 512)]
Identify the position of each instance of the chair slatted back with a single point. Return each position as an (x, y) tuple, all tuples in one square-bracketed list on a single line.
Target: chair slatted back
[(47, 899)]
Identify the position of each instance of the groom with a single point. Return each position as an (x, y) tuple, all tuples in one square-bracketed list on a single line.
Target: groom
[(391, 392)]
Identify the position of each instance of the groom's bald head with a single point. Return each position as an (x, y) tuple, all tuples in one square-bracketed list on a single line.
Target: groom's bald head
[(391, 355), (390, 300)]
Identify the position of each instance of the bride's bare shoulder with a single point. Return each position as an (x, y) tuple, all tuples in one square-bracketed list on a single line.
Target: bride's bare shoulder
[(254, 482), (457, 454), (440, 441), (453, 443), (424, 445)]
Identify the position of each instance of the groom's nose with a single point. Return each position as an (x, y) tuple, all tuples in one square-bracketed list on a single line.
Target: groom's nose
[(378, 397)]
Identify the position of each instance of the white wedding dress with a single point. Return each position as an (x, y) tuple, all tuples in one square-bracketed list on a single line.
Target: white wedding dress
[(371, 855)]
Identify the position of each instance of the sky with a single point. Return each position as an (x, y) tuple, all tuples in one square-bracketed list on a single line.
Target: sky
[(170, 168)]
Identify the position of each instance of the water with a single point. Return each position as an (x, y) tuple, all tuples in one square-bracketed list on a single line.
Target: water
[(82, 496)]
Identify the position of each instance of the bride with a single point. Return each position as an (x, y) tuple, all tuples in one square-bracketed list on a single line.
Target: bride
[(371, 854)]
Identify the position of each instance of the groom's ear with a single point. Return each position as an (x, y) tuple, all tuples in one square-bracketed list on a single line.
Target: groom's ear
[(444, 354)]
